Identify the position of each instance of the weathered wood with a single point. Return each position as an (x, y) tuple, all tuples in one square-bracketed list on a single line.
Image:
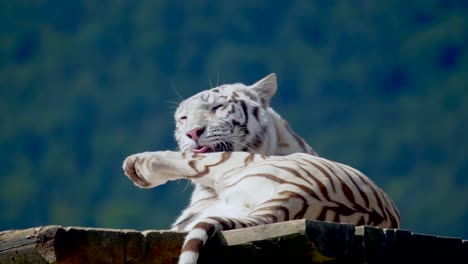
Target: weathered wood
[(19, 246), (301, 241), (55, 244)]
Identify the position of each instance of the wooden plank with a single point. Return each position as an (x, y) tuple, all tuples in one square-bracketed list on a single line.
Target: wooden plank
[(55, 244), (21, 246), (262, 232), (300, 241)]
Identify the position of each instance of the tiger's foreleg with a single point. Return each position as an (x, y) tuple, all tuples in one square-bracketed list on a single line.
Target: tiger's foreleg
[(150, 169)]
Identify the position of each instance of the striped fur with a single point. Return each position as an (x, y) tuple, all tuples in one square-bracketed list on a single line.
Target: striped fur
[(251, 189)]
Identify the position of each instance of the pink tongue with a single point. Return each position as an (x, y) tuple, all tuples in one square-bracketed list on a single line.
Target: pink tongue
[(202, 149)]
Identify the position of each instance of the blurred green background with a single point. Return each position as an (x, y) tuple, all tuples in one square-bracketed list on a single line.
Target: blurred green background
[(379, 85)]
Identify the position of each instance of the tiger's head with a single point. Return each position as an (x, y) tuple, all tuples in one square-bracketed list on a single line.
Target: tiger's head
[(230, 117)]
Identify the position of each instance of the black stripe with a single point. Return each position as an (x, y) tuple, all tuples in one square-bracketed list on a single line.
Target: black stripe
[(255, 113), (292, 171), (375, 192), (336, 218), (323, 189), (206, 169), (246, 113), (222, 221), (361, 221), (324, 172), (323, 214), (347, 192), (209, 228), (193, 245), (361, 192), (249, 159), (300, 141), (275, 208), (393, 221), (293, 195)]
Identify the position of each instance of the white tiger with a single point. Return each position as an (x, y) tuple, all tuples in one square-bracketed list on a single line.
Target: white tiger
[(252, 189), (239, 189)]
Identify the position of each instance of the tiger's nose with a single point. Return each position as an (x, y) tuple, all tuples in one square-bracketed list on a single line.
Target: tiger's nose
[(195, 133)]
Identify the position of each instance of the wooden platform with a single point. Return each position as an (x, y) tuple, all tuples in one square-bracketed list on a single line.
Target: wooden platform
[(300, 241)]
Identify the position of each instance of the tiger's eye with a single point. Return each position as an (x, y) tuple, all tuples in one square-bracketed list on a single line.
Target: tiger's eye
[(216, 107)]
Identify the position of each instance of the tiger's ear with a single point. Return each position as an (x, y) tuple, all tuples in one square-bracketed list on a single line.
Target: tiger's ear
[(266, 88)]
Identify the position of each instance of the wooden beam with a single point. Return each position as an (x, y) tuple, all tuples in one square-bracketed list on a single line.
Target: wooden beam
[(300, 241)]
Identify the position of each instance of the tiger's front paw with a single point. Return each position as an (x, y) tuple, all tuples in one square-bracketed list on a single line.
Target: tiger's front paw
[(138, 168)]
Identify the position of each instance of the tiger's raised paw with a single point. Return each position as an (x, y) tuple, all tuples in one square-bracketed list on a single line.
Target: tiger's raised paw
[(138, 168)]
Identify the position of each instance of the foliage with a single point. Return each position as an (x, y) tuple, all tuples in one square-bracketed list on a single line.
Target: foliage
[(381, 86)]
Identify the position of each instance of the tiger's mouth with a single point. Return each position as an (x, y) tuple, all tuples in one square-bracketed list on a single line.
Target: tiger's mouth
[(225, 146), (202, 149)]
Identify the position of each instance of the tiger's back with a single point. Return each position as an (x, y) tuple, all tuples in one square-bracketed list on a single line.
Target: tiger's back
[(304, 186)]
